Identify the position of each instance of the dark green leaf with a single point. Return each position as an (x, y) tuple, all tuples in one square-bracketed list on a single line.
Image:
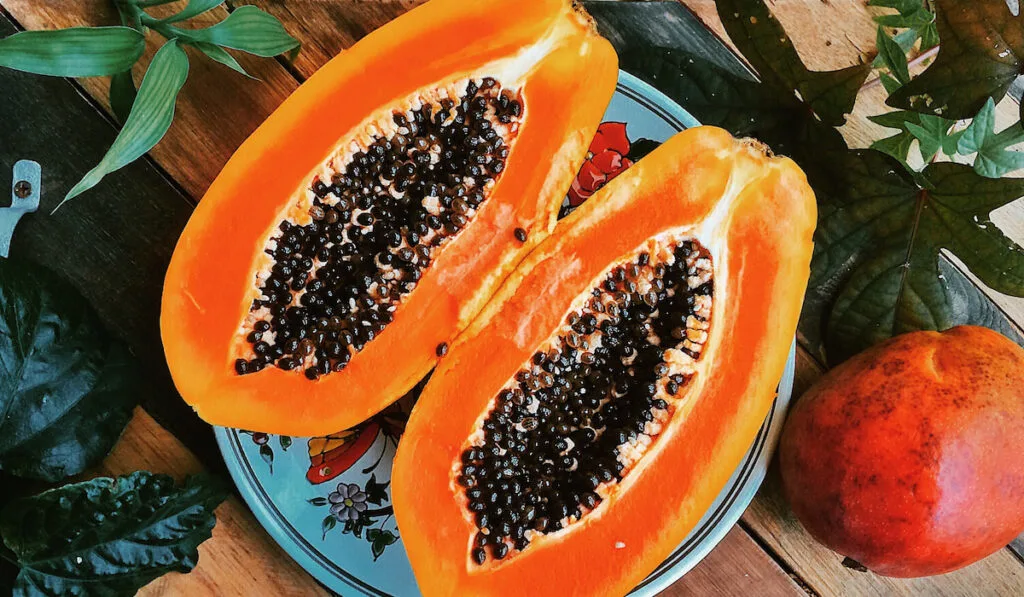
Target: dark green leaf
[(904, 39), (379, 540), (889, 83), (75, 52), (122, 95), (929, 37), (741, 106), (993, 158), (248, 29), (267, 454), (318, 501), (892, 56), (194, 8), (914, 17), (150, 117), (108, 537), (876, 268), (284, 441), (220, 55), (981, 52), (376, 493), (898, 145), (764, 43), (328, 523), (67, 389)]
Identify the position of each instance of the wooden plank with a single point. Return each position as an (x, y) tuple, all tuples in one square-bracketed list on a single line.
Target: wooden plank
[(239, 559), (737, 566), (114, 244), (328, 28), (217, 109)]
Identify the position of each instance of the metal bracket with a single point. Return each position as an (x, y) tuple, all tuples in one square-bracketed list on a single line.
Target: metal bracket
[(25, 190)]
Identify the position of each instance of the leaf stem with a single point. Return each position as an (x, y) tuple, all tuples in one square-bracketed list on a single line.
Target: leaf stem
[(910, 65)]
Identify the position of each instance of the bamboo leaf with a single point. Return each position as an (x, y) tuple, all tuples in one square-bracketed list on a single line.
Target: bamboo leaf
[(248, 29), (220, 55), (75, 52), (150, 116)]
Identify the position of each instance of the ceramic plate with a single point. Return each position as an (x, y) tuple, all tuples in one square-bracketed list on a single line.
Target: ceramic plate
[(298, 487)]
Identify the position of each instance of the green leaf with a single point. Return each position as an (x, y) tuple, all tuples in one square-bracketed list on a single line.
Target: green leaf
[(108, 537), (220, 55), (248, 29), (75, 52), (892, 57), (981, 54), (67, 389), (904, 39), (916, 20), (150, 117), (993, 158), (765, 45), (284, 441), (318, 501), (932, 133), (877, 269), (194, 8), (379, 540), (122, 94), (328, 523), (898, 145)]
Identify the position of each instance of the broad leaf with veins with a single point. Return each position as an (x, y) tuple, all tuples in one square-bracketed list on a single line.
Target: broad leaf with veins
[(981, 53), (108, 537), (764, 43), (878, 267), (877, 248)]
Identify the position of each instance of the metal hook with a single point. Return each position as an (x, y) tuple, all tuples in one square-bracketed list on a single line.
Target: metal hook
[(25, 190)]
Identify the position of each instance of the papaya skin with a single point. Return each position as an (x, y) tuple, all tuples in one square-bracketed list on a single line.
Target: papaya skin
[(755, 214), (905, 457), (548, 50)]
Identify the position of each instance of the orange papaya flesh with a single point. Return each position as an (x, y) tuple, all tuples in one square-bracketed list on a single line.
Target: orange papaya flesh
[(580, 427), (372, 215)]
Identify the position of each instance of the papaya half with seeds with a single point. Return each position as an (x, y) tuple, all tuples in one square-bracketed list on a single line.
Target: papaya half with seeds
[(367, 221), (578, 429)]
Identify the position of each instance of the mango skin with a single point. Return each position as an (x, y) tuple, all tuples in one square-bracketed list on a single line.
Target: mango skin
[(907, 457)]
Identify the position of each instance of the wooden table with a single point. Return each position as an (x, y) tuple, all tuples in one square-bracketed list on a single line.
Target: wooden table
[(114, 245)]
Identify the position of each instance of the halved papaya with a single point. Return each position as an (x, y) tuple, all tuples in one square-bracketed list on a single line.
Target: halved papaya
[(366, 222), (580, 427)]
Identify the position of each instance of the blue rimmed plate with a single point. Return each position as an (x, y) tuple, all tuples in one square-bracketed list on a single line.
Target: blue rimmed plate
[(327, 501)]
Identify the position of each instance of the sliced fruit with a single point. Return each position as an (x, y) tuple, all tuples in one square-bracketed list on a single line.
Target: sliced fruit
[(368, 220), (580, 427)]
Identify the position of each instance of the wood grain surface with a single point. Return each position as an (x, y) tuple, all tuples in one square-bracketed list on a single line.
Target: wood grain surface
[(114, 243)]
